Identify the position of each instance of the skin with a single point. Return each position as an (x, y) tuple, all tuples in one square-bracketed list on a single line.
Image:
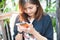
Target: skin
[(29, 9)]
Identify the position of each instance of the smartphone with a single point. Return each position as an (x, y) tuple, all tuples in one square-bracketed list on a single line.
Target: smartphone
[(26, 25)]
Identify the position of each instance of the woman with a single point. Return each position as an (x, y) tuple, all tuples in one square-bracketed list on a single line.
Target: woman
[(40, 26)]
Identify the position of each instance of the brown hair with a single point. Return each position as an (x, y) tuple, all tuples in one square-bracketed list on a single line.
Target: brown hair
[(38, 13)]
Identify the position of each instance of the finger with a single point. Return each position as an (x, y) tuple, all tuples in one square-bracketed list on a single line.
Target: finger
[(30, 26)]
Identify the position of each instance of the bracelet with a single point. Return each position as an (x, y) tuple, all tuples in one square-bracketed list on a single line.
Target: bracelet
[(20, 32)]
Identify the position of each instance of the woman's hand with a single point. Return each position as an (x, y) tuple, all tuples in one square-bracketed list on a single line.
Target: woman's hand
[(29, 29), (18, 37)]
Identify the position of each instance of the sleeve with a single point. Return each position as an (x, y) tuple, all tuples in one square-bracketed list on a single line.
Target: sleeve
[(49, 30), (15, 32), (15, 28)]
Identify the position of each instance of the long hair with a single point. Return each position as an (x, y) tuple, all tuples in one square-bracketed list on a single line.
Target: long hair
[(24, 16)]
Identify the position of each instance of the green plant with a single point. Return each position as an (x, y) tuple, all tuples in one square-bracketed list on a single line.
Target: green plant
[(2, 4), (6, 21), (51, 8), (6, 9), (54, 23)]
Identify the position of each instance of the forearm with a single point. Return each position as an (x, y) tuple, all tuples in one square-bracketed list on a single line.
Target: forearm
[(18, 37), (38, 36)]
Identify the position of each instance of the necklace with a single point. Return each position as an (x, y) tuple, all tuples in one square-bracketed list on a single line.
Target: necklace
[(31, 20)]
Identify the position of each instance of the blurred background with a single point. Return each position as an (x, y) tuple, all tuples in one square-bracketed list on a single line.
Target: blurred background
[(8, 7)]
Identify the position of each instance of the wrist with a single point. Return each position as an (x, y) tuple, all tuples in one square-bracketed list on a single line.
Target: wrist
[(20, 32), (18, 36), (33, 31), (38, 35)]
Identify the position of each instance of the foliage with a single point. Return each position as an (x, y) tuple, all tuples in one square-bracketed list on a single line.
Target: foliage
[(54, 23), (12, 6), (6, 9), (2, 3), (52, 8), (6, 21)]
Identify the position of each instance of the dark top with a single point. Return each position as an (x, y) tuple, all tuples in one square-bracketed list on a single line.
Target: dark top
[(43, 26)]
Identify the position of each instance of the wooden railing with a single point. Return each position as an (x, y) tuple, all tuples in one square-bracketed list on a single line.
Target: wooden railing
[(2, 17)]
